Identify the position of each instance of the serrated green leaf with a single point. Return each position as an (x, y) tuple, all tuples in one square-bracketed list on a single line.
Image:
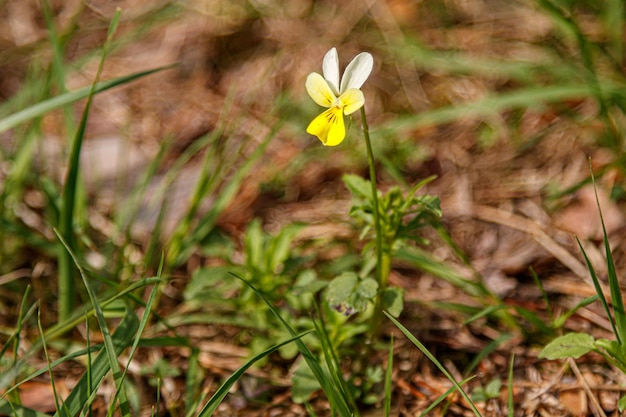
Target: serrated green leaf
[(571, 345)]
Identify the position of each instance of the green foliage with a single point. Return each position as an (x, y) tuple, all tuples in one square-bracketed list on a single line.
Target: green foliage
[(401, 217), (348, 294), (574, 345), (571, 345), (489, 391), (283, 273)]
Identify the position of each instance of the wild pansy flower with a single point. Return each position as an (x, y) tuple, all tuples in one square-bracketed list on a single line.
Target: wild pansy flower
[(339, 96)]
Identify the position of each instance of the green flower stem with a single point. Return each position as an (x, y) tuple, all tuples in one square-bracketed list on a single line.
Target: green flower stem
[(383, 259)]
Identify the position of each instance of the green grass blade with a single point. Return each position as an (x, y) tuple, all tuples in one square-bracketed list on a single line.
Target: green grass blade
[(222, 391), (42, 371), (459, 63), (614, 24), (66, 225), (544, 293), (100, 366), (58, 69), (510, 403), (434, 360), (425, 262), (23, 315), (16, 410), (530, 97), (207, 222), (332, 361), (46, 106), (598, 288), (110, 349), (388, 381), (616, 292), (142, 326), (49, 368), (485, 312), (193, 381), (486, 351), (442, 398), (586, 50), (560, 320)]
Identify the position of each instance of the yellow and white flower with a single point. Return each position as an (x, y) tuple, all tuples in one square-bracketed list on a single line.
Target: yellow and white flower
[(341, 96)]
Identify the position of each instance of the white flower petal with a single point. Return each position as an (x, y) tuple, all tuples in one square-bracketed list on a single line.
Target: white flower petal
[(330, 69), (357, 71)]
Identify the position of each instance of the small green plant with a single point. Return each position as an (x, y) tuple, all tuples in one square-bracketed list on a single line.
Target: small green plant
[(575, 345), (392, 218)]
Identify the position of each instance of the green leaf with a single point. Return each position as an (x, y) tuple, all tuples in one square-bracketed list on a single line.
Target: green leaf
[(571, 345), (359, 187), (614, 349), (393, 301), (348, 294), (621, 404), (304, 383)]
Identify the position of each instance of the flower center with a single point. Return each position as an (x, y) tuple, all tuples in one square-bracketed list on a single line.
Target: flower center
[(337, 103)]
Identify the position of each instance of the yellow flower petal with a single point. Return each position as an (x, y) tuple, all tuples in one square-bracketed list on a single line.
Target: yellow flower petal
[(329, 127), (352, 100), (319, 90)]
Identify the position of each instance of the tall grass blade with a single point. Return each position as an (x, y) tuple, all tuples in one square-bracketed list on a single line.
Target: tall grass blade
[(110, 348), (49, 368), (210, 407), (142, 326), (66, 269), (586, 49), (22, 316), (192, 381), (616, 292), (434, 360), (442, 398), (332, 360), (614, 24), (100, 366), (544, 293), (46, 106), (598, 288), (207, 222), (58, 69), (16, 410), (427, 263), (530, 97)]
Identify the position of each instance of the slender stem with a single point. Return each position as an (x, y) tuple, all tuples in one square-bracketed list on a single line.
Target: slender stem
[(383, 263)]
